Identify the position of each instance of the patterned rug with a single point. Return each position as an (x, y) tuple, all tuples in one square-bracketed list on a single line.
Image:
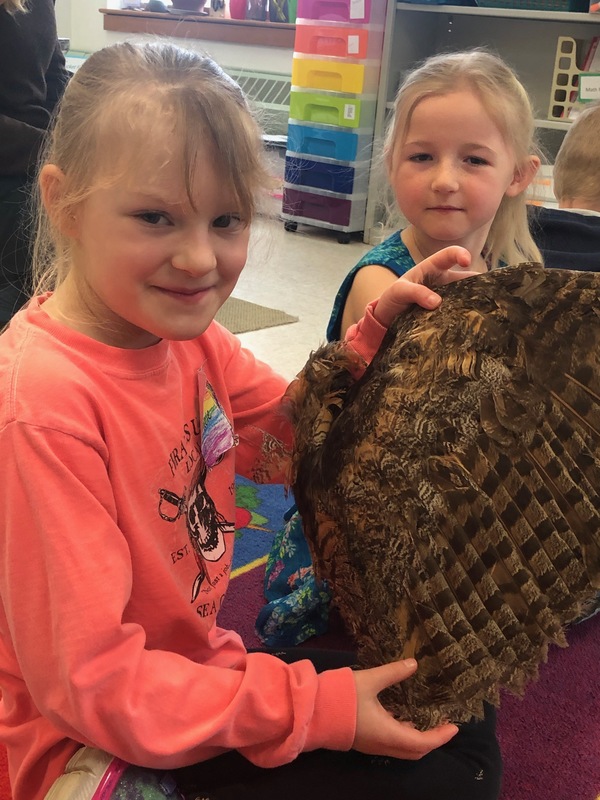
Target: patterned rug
[(259, 515)]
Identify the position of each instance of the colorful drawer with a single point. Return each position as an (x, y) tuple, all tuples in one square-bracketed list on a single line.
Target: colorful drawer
[(337, 39), (346, 112), (326, 173), (329, 142), (357, 11), (325, 209), (334, 75)]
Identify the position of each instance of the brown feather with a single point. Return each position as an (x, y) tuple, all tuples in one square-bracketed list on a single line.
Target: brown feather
[(450, 496)]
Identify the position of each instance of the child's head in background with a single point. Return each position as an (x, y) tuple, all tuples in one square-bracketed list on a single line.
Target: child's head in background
[(577, 164), (149, 183), (462, 142)]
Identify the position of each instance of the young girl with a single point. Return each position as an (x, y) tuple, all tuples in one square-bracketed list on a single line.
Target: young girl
[(125, 414), (459, 154)]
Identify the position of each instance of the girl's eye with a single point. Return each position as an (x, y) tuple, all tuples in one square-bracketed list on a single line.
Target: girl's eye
[(419, 157), (153, 218), (477, 161), (230, 222)]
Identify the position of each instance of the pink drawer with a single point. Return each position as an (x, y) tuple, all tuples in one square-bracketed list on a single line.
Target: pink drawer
[(358, 11)]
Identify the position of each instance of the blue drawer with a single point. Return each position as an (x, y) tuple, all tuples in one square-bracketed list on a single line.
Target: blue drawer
[(329, 142), (345, 178)]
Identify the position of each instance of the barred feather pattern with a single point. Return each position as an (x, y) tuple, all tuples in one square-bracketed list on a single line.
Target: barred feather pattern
[(451, 495)]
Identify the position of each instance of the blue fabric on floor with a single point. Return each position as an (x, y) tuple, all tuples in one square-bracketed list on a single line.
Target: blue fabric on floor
[(297, 605)]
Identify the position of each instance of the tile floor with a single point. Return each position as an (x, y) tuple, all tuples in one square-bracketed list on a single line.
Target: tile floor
[(299, 273)]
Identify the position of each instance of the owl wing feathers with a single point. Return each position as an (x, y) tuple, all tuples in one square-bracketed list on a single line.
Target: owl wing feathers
[(450, 496)]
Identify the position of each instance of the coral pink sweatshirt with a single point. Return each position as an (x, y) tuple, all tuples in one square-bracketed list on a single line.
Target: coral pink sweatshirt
[(117, 510)]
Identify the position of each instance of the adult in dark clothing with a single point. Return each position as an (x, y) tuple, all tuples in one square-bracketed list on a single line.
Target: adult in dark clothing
[(33, 76), (569, 236)]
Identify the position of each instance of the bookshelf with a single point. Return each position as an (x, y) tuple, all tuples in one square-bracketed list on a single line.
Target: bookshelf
[(527, 39)]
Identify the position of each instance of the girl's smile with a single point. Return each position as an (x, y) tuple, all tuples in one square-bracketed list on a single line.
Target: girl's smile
[(146, 266)]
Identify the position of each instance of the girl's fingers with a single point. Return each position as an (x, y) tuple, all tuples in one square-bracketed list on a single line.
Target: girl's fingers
[(413, 286), (436, 265)]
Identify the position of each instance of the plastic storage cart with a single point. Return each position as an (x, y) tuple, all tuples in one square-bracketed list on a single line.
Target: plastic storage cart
[(335, 76)]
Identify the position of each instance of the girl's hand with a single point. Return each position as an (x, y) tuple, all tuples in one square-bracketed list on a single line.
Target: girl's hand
[(377, 732), (412, 287)]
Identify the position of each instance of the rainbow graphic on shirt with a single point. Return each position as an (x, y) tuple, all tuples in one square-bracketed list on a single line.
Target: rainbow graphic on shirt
[(217, 431)]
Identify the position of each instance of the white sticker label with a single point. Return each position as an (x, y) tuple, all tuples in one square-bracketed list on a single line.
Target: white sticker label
[(353, 44), (357, 9), (349, 111), (589, 86)]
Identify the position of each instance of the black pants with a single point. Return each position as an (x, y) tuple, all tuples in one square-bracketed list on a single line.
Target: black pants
[(15, 246), (469, 767)]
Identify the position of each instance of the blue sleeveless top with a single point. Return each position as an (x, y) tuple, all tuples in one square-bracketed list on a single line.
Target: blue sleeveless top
[(391, 253)]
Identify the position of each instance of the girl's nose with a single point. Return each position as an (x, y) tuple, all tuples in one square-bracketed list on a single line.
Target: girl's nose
[(195, 253), (445, 177)]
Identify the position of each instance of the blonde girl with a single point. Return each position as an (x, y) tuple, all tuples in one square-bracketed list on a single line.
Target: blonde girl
[(125, 413), (459, 152)]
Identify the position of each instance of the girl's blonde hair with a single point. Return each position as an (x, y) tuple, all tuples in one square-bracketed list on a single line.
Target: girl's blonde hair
[(577, 165), (506, 101), (12, 6), (123, 101)]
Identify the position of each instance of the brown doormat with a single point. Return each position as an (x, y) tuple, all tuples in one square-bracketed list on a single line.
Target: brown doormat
[(240, 316)]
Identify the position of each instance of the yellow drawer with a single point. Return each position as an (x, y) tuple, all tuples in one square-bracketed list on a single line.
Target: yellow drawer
[(334, 76)]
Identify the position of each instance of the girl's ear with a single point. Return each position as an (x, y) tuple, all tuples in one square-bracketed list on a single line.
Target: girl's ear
[(523, 176), (52, 189)]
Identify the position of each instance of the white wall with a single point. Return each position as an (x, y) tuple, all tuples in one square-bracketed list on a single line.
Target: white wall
[(81, 21)]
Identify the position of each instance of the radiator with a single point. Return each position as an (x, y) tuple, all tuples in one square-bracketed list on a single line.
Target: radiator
[(270, 93)]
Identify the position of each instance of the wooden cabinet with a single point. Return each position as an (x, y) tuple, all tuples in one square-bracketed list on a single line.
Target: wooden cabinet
[(526, 39)]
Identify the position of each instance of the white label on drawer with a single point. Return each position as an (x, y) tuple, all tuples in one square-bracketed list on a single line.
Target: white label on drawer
[(589, 86), (349, 111), (353, 44), (357, 9)]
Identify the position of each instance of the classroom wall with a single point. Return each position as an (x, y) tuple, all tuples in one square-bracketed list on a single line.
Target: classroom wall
[(82, 23)]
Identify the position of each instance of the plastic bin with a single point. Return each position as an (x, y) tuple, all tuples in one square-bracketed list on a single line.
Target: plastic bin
[(330, 109), (329, 142), (350, 177), (335, 75), (324, 209), (337, 39), (358, 11)]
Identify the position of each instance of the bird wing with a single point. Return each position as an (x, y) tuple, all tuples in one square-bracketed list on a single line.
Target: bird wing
[(450, 496)]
